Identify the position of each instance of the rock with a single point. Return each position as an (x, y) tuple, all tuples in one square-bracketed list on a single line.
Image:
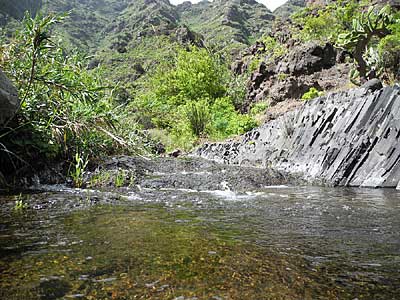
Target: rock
[(175, 153), (292, 75), (347, 138), (9, 101), (372, 85), (185, 36), (307, 59)]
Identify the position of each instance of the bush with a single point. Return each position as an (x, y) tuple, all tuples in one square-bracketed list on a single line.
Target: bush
[(190, 98), (64, 107), (311, 94), (198, 116), (226, 121), (389, 52), (258, 108)]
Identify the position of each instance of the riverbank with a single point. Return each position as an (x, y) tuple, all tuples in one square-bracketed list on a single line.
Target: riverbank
[(348, 138)]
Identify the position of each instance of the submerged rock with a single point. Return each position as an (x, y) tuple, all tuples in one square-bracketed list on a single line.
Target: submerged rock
[(347, 138)]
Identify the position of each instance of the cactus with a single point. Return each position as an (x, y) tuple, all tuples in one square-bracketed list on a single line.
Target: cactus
[(364, 28)]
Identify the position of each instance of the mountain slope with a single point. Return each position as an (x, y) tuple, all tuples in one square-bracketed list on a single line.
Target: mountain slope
[(289, 8), (16, 9), (226, 23)]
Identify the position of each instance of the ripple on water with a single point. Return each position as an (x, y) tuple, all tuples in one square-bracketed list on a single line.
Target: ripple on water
[(288, 243)]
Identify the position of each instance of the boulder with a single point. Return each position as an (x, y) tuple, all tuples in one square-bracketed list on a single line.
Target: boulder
[(372, 85), (9, 101)]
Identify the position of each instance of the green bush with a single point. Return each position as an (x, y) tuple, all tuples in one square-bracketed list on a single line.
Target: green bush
[(190, 98), (273, 48), (324, 24), (226, 121), (389, 52), (198, 116), (311, 94), (64, 107), (258, 108)]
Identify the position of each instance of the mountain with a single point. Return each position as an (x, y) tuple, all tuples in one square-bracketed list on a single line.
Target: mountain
[(93, 22), (289, 8), (227, 23), (16, 9), (122, 33)]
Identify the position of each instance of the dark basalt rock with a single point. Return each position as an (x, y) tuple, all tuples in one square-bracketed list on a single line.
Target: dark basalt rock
[(9, 101), (347, 138), (372, 85)]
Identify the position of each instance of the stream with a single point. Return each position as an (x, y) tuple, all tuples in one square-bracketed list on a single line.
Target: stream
[(197, 230)]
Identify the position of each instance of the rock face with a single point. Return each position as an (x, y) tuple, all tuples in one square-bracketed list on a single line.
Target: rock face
[(289, 77), (345, 139), (9, 101)]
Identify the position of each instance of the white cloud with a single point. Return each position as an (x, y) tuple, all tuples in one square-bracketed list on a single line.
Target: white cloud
[(271, 4)]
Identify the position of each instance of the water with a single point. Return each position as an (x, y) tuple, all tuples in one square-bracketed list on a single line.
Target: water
[(277, 242)]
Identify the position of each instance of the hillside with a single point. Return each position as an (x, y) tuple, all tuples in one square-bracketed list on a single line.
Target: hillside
[(94, 23), (285, 10), (10, 9), (229, 24)]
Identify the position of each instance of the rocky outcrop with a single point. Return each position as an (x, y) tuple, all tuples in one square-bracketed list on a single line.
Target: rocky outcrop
[(289, 77), (9, 101), (347, 138)]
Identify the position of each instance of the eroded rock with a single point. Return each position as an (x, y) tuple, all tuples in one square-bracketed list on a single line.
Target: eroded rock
[(347, 138)]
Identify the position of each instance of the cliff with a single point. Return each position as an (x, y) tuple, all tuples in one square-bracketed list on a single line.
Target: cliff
[(347, 138)]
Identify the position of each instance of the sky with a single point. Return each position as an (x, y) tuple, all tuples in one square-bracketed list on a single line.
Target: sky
[(271, 4)]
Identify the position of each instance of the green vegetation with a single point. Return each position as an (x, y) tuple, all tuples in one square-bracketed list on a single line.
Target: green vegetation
[(311, 94), (78, 169), (369, 33), (259, 108), (364, 28), (120, 178), (20, 204), (189, 98), (64, 107)]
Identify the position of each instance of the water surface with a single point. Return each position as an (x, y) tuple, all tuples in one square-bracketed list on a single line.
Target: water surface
[(275, 242)]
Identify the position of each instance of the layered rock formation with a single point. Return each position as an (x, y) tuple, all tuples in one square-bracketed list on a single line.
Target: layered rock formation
[(347, 138)]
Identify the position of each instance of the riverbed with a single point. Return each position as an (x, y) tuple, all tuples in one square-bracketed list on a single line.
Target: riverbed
[(182, 241)]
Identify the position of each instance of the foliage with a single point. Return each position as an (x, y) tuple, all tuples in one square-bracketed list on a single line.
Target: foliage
[(198, 116), (20, 204), (78, 169), (237, 90), (364, 27), (367, 32), (226, 121), (64, 107), (258, 108), (389, 51), (189, 99), (120, 178), (273, 47), (325, 23), (311, 94)]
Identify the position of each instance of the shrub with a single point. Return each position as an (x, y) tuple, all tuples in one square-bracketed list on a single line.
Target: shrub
[(311, 94), (198, 116), (190, 98), (258, 108), (64, 107)]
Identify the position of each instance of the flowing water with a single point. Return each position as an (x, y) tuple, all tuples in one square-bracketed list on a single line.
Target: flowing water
[(273, 242)]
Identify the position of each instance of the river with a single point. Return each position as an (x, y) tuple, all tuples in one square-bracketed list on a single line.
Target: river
[(171, 242)]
